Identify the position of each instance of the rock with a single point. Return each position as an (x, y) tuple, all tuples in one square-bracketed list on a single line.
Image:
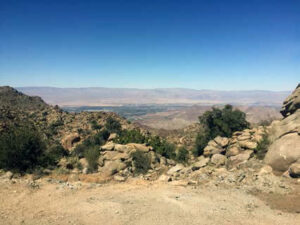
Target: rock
[(112, 136), (85, 170), (83, 162), (291, 103), (122, 148), (248, 144), (212, 149), (69, 140), (244, 137), (8, 175), (108, 147), (218, 159), (175, 169), (165, 178), (73, 178), (119, 178), (283, 152), (240, 158), (265, 170), (294, 170), (201, 163), (232, 151), (112, 167), (140, 147), (222, 141)]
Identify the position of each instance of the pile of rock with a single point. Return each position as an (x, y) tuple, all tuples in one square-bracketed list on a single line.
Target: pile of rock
[(284, 152), (236, 150), (116, 160)]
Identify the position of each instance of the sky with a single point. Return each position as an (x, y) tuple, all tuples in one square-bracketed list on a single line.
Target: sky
[(212, 44)]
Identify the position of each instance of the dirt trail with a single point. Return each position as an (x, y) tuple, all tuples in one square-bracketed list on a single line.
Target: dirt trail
[(134, 202)]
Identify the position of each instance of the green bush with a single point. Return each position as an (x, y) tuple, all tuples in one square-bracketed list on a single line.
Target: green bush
[(21, 149), (219, 122), (182, 155), (141, 162), (93, 141), (113, 125), (131, 136), (54, 153), (92, 155), (162, 147), (262, 147), (95, 125)]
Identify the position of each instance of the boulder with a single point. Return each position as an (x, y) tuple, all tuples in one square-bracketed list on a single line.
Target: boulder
[(283, 152), (108, 147), (294, 170), (69, 140), (218, 159), (140, 147), (248, 144), (119, 178), (291, 103), (175, 169), (112, 136), (265, 170), (240, 158), (222, 141), (213, 148), (201, 163), (112, 167), (233, 150), (165, 178)]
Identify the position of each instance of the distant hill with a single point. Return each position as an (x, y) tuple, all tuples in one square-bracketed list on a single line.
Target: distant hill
[(99, 96)]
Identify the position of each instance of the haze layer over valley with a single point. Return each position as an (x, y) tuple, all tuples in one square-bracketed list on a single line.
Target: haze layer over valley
[(162, 108)]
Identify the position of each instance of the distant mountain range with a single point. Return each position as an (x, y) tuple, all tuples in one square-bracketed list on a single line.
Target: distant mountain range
[(98, 96)]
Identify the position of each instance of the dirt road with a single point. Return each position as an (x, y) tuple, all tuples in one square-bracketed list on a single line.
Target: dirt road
[(134, 202)]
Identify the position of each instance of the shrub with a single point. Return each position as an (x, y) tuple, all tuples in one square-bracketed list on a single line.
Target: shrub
[(54, 153), (162, 147), (131, 136), (201, 142), (113, 126), (21, 149), (182, 155), (93, 141), (141, 162), (95, 125), (92, 155), (262, 147), (219, 122)]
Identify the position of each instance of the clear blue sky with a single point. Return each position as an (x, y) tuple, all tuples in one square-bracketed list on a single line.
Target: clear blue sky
[(225, 45)]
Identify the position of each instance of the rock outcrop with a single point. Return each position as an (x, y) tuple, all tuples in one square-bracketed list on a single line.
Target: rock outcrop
[(285, 136)]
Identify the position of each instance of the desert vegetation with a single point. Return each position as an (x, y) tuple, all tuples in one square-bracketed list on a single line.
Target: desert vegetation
[(219, 122)]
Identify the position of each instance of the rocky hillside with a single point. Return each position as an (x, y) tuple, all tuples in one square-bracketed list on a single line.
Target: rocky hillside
[(55, 124), (284, 152)]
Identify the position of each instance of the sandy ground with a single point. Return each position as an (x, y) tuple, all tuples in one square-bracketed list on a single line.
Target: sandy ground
[(139, 202)]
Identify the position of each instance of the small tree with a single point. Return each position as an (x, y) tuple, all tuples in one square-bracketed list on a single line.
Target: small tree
[(219, 122), (92, 155), (113, 125), (182, 155), (262, 147), (21, 149), (141, 162)]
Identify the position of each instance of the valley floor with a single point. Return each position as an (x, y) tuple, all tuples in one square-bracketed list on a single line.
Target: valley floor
[(140, 202)]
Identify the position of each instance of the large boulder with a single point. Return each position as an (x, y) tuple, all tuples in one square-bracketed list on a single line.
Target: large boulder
[(69, 140), (292, 103), (283, 152), (285, 135)]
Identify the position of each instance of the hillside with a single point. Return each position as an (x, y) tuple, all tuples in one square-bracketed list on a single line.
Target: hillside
[(98, 96)]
